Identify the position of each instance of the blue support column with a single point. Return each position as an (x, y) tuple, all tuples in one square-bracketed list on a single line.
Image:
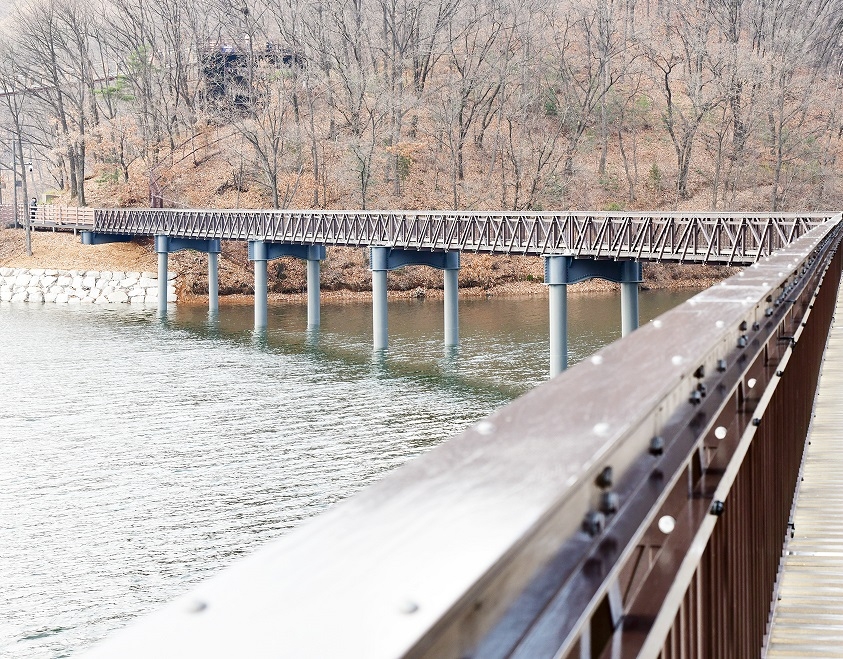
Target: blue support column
[(561, 270), (166, 244), (313, 293), (213, 281), (162, 247), (257, 253), (452, 310), (631, 276), (261, 251), (378, 262), (555, 276), (383, 259)]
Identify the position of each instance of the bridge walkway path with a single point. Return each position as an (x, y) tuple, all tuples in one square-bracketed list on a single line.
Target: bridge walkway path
[(808, 617)]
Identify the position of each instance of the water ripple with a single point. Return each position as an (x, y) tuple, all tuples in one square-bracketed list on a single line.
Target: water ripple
[(139, 457)]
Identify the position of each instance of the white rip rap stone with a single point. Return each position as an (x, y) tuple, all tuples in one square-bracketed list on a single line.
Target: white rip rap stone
[(62, 298), (19, 297), (50, 297), (146, 282), (118, 296)]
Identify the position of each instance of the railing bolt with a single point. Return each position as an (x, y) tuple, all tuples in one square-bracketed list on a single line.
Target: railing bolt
[(743, 341), (779, 373), (756, 326), (717, 508), (609, 502), (768, 311), (695, 398), (605, 478), (756, 422), (721, 365), (656, 446), (408, 607), (594, 523), (197, 606), (702, 389)]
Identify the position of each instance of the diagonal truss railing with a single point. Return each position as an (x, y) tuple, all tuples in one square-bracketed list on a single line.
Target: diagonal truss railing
[(725, 238)]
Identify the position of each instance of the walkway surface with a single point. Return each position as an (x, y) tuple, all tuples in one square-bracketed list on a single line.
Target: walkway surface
[(808, 619)]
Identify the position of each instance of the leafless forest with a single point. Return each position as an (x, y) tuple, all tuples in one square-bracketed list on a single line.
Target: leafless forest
[(482, 104)]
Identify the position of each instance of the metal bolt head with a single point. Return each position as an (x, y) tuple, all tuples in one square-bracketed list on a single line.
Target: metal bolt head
[(609, 502), (721, 365), (594, 523), (657, 446), (695, 398), (743, 341), (197, 606), (717, 508), (756, 422), (605, 478), (407, 607)]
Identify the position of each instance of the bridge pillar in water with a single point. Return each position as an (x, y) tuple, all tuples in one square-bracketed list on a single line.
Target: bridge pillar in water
[(631, 276), (383, 259), (166, 244), (561, 270), (261, 251)]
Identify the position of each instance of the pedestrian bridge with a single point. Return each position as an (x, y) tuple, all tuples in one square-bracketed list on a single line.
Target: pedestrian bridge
[(638, 505), (575, 246)]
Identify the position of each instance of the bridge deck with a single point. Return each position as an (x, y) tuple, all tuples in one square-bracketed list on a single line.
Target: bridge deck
[(808, 619)]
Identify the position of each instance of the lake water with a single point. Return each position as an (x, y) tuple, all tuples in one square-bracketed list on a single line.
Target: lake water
[(139, 456)]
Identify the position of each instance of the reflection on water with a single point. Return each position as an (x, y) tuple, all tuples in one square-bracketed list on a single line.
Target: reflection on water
[(139, 455)]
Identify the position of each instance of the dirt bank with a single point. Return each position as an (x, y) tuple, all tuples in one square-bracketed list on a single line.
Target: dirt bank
[(344, 273)]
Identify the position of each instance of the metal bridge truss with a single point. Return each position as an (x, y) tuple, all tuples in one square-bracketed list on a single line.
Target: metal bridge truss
[(722, 238), (635, 506)]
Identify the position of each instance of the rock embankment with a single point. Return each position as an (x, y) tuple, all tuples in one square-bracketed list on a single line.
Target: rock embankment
[(82, 287)]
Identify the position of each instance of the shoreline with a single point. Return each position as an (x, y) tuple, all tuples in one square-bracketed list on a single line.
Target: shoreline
[(345, 274)]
